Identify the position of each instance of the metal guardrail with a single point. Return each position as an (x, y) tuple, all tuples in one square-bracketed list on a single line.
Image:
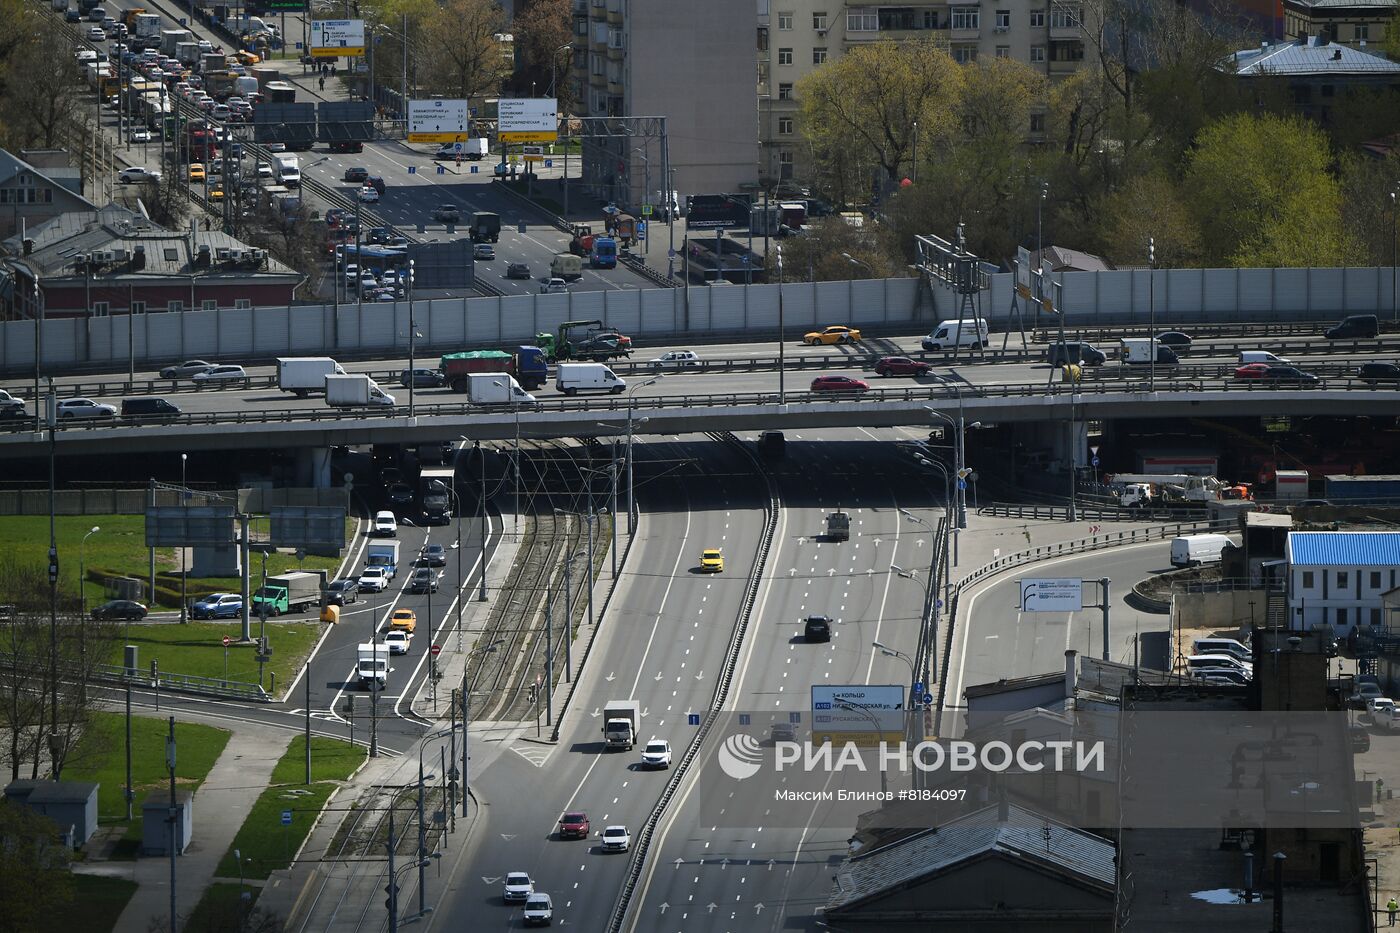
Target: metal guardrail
[(1042, 511), (1203, 329), (641, 842), (171, 682)]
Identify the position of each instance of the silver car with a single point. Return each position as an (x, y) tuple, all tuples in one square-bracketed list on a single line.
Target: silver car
[(71, 408), (186, 370)]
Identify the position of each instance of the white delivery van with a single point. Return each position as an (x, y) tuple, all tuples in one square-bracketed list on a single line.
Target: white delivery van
[(497, 389), (1190, 550), (575, 377), (302, 375), (964, 333), (1262, 356)]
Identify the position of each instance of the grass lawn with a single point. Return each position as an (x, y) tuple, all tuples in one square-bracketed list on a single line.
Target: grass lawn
[(197, 648), (97, 903), (218, 908), (265, 844), (100, 757), (331, 760), (119, 549)]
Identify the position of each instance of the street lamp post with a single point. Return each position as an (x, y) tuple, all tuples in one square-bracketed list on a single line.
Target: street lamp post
[(782, 336), (82, 570), (1151, 326), (646, 192), (1394, 307), (481, 513), (184, 573), (412, 346)]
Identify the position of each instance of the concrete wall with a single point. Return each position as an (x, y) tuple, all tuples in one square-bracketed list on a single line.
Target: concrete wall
[(454, 324)]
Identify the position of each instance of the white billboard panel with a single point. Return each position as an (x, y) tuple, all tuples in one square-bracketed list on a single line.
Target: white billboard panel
[(858, 707), (330, 37), (1061, 594), (527, 119), (438, 121)]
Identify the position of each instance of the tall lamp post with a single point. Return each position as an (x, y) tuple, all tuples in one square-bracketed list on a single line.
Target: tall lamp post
[(782, 336), (1394, 307), (632, 421), (184, 573), (82, 570), (646, 191), (1151, 321)]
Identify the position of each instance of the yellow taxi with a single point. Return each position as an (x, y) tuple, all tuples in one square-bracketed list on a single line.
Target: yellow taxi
[(836, 333), (712, 560), (197, 171), (403, 620), (216, 194)]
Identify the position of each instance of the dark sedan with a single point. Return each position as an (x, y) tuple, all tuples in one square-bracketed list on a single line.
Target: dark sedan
[(435, 555), (356, 173), (422, 378), (1287, 374), (1179, 342), (128, 609), (401, 494), (1372, 373), (901, 366), (342, 592)]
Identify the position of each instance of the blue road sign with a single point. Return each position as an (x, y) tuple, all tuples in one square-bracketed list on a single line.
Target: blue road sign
[(744, 719), (918, 688), (670, 253), (286, 817), (928, 698), (413, 170), (938, 603), (1095, 461), (549, 163), (442, 170), (299, 45), (474, 168), (692, 719), (962, 484)]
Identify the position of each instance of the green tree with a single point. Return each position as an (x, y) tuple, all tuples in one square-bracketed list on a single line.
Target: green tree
[(1261, 191), (35, 882), (1151, 206), (870, 99), (1392, 37), (820, 253)]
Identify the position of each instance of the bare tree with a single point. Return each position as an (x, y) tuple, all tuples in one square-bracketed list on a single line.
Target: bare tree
[(543, 30), (40, 105), (463, 57)]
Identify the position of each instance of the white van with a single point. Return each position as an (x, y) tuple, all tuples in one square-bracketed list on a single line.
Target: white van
[(573, 377), (1262, 356), (1190, 550), (964, 333)]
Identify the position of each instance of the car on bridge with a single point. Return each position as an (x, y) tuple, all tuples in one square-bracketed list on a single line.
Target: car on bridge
[(398, 642), (74, 408), (1373, 373), (138, 174), (836, 333), (538, 910), (1251, 371), (847, 385), (657, 754), (484, 252), (434, 555), (186, 370), (573, 825), (616, 839), (676, 359), (403, 620), (231, 373), (817, 628), (401, 494), (712, 560), (373, 580), (128, 609), (423, 581), (447, 214), (342, 592), (1287, 374), (901, 366), (422, 378), (1179, 342), (385, 525), (10, 406), (368, 194), (218, 606), (197, 173), (518, 270)]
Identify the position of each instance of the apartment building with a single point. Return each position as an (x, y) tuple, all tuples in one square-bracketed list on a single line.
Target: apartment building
[(797, 36), (692, 63), (1352, 22)]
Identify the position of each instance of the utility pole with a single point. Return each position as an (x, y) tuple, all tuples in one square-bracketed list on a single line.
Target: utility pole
[(481, 506), (53, 592), (174, 816), (307, 678)]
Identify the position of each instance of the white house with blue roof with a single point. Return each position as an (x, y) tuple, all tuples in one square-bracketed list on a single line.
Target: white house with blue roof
[(1337, 578)]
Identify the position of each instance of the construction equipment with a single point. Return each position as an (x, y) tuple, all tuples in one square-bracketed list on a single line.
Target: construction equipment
[(597, 342), (1175, 490)]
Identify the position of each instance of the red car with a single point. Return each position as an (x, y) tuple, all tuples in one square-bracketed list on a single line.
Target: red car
[(848, 384), (573, 825), (901, 366), (1251, 371)]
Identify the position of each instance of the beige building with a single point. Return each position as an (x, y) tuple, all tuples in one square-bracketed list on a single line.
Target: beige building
[(1350, 22), (692, 63), (796, 36)]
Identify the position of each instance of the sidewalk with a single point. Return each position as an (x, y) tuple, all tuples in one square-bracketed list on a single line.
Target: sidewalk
[(221, 805)]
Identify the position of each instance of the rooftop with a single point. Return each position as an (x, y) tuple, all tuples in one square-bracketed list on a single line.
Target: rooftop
[(1344, 547), (1311, 56)]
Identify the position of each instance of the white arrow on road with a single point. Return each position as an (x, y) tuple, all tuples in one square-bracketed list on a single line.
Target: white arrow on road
[(792, 571), (665, 907), (712, 906), (611, 677), (507, 836), (495, 880), (758, 908), (596, 713), (657, 677), (678, 862), (770, 864), (700, 676), (724, 865), (831, 572)]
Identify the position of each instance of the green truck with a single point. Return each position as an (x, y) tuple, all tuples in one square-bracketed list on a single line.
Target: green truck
[(288, 592)]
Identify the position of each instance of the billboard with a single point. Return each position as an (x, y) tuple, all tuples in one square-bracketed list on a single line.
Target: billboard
[(337, 37), (189, 526), (308, 526), (715, 212), (858, 708), (343, 120), (528, 120), (438, 121), (292, 124)]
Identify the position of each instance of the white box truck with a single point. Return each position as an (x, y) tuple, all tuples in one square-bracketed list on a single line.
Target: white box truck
[(373, 665), (1193, 550), (286, 170), (356, 390), (1140, 349), (621, 719), (497, 389), (383, 554), (1290, 485), (302, 375), (949, 335), (570, 378)]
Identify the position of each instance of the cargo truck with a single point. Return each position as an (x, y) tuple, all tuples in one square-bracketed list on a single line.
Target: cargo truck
[(187, 52), (621, 719), (373, 666), (497, 389), (383, 554), (583, 340), (286, 170), (526, 364), (302, 375), (288, 592), (1175, 490), (486, 227), (356, 390), (146, 26), (838, 526), (170, 39), (1139, 350)]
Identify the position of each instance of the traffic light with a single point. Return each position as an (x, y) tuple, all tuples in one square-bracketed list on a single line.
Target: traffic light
[(391, 903)]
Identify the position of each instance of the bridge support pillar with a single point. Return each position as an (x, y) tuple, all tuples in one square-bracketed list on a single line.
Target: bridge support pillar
[(314, 467)]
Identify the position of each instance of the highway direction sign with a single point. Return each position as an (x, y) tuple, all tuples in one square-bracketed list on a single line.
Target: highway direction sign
[(527, 120), (438, 121), (331, 37), (1052, 595)]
